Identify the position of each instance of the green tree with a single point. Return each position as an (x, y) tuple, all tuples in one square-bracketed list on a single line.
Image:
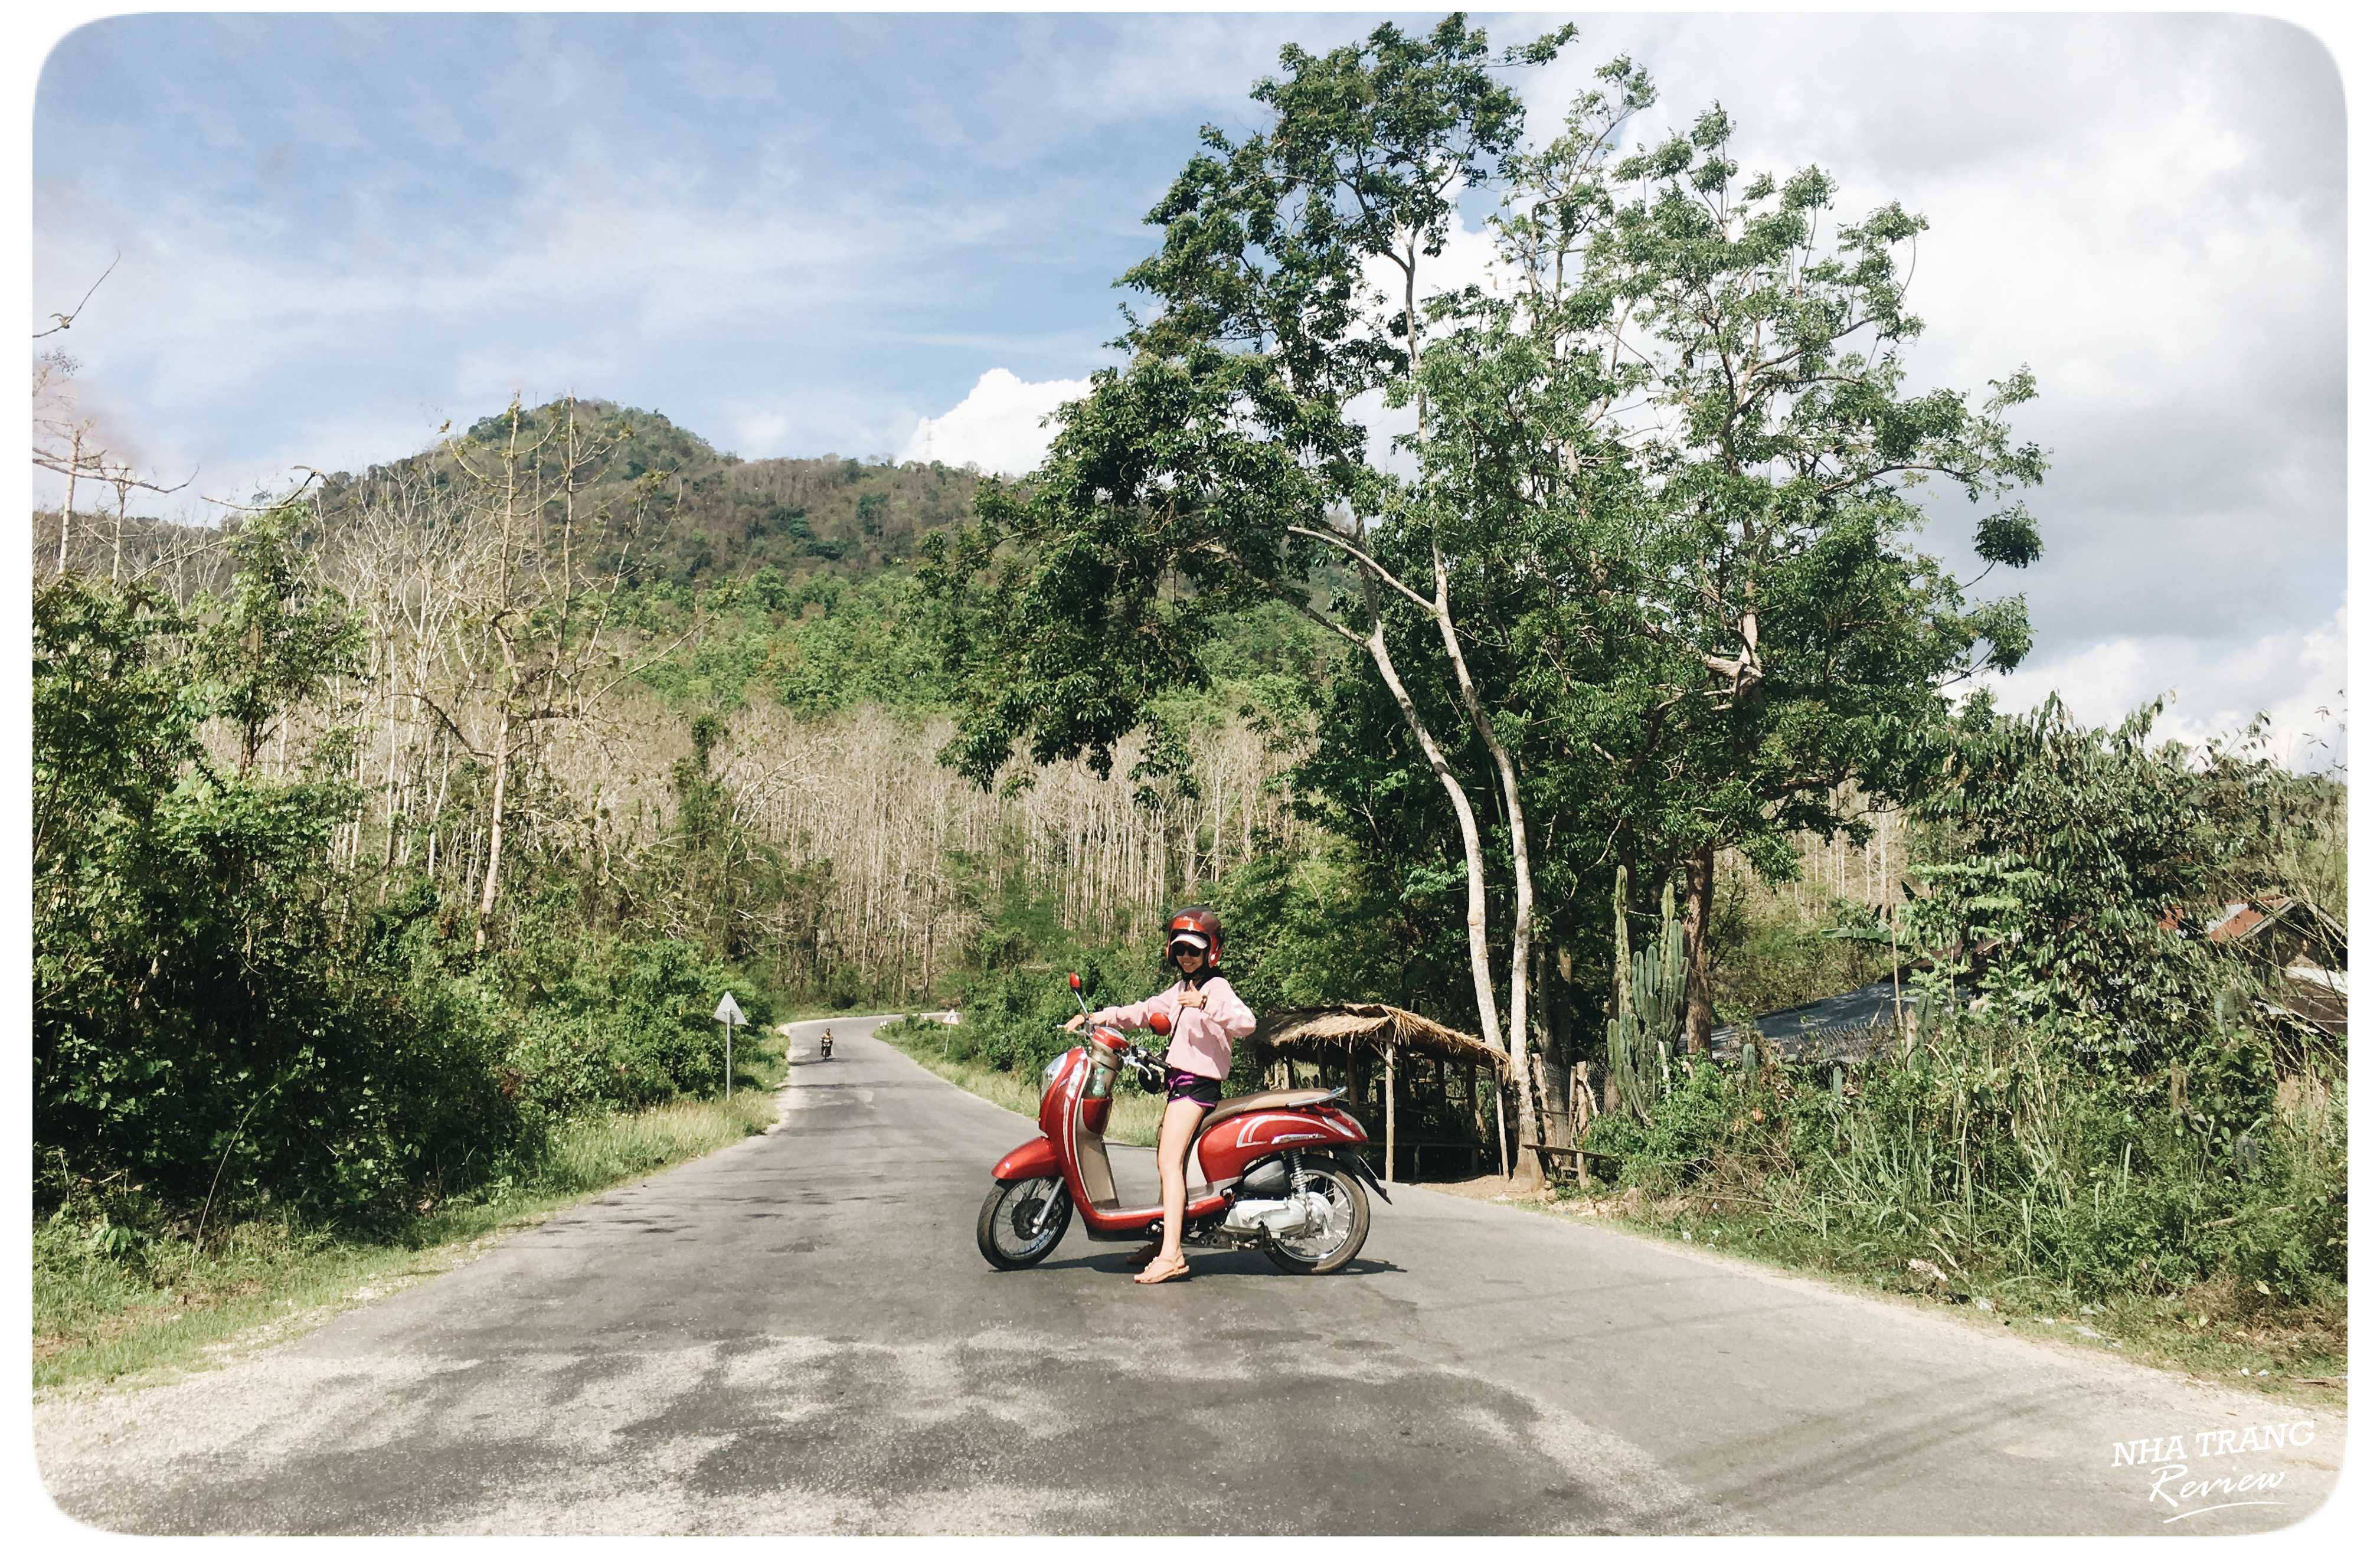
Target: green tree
[(204, 1016), (1228, 456), (1656, 564), (2080, 864), (281, 638), (1685, 432)]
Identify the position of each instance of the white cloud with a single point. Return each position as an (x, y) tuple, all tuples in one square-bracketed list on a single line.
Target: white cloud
[(2163, 242), (2297, 678), (998, 426), (580, 293)]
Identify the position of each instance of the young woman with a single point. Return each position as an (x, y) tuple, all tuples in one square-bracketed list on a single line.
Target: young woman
[(1206, 1018)]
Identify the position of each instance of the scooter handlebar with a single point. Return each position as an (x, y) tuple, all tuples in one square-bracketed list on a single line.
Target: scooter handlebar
[(1132, 1052)]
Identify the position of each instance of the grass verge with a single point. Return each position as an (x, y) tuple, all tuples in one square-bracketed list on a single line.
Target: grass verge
[(174, 1307), (1132, 1120)]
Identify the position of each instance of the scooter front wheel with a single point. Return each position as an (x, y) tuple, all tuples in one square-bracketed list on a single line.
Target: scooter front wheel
[(1022, 1221)]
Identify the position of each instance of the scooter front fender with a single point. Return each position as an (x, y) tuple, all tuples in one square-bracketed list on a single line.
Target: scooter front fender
[(1035, 1157)]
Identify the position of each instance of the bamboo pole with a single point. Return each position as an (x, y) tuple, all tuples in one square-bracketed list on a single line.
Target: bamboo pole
[(1472, 1100)]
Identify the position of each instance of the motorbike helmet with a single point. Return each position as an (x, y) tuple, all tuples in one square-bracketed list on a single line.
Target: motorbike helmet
[(1200, 926)]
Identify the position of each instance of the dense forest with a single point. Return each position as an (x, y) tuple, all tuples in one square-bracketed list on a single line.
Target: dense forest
[(385, 828)]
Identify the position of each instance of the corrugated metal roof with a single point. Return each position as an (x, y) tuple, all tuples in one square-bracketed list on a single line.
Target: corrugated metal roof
[(1841, 1028), (2248, 917)]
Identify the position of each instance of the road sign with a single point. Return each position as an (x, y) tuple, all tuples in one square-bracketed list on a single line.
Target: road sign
[(730, 1015)]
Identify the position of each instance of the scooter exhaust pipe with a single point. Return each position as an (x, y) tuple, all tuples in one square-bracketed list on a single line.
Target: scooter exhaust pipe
[(1283, 1217)]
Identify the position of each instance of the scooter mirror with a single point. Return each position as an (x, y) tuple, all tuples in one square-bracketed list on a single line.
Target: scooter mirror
[(1160, 1023), (1074, 982)]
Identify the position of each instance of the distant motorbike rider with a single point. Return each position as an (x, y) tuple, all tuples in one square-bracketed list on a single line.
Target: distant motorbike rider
[(826, 1044), (1208, 1016)]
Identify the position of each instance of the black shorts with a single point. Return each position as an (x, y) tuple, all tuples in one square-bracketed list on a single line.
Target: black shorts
[(1182, 1085)]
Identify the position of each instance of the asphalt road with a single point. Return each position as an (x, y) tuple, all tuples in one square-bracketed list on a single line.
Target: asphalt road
[(796, 1334)]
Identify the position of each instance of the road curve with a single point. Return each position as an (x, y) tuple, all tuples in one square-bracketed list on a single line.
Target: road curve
[(794, 1334)]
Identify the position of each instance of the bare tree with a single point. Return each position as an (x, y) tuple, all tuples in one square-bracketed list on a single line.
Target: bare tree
[(65, 319), (66, 442), (538, 633)]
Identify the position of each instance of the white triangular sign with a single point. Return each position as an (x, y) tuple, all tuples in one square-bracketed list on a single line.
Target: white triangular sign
[(728, 1011)]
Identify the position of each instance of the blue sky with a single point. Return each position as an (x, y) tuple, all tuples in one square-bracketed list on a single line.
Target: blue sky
[(831, 221), (871, 234)]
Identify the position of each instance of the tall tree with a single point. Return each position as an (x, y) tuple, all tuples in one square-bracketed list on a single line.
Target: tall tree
[(1678, 434), (1779, 560), (1653, 592), (1229, 455)]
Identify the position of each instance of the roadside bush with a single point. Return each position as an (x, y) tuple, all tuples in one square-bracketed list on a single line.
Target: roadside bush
[(220, 1024), (1993, 1151), (627, 1024), (1686, 1133), (2102, 1113), (1013, 1018), (204, 1022), (2078, 858), (2289, 1238)]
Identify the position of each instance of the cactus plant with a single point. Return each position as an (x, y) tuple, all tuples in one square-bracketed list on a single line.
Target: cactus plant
[(1643, 1034)]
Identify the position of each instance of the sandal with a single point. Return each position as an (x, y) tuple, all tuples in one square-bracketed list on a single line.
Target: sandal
[(1162, 1272)]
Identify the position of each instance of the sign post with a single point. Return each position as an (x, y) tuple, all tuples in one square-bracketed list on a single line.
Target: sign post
[(730, 1015)]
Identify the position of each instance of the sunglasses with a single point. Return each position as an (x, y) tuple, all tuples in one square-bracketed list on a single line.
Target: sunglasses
[(1181, 948)]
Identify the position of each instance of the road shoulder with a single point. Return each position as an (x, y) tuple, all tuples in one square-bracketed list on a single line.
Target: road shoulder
[(2075, 1337), (162, 1344)]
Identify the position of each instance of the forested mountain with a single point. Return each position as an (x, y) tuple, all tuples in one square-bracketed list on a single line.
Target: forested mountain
[(561, 593), (719, 514), (704, 515)]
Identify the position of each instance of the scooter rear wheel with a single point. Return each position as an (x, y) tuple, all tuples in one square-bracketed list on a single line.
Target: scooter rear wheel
[(1004, 1228), (1351, 1216)]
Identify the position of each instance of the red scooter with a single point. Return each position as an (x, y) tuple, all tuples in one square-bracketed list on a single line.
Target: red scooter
[(1285, 1169)]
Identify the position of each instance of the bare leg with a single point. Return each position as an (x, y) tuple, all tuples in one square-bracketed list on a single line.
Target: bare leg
[(1173, 1135)]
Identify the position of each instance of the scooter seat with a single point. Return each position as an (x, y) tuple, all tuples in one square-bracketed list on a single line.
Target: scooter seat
[(1260, 1101)]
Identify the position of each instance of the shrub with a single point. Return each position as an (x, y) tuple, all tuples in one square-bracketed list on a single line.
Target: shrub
[(1995, 1150), (204, 1025), (627, 1024), (1014, 1016), (2078, 857)]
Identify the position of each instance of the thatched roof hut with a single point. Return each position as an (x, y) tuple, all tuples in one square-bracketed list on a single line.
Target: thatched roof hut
[(1312, 1031), (1332, 1032)]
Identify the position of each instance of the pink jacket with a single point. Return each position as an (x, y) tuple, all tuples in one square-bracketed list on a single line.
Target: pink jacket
[(1202, 1038)]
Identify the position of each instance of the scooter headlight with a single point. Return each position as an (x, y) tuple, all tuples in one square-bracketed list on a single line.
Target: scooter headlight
[(1050, 1070)]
